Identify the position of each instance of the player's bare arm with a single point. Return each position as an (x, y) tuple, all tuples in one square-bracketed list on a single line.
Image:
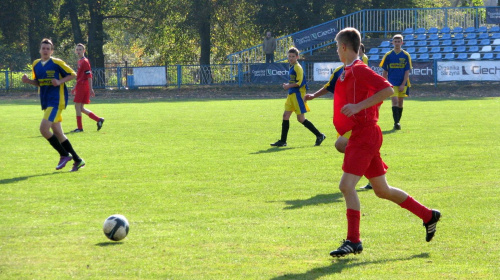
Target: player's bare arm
[(56, 82), (27, 80), (288, 86), (405, 80), (351, 109), (92, 93), (385, 74), (318, 93)]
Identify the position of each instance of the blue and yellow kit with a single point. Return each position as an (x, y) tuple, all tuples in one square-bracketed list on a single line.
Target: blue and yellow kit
[(396, 65), (54, 68), (295, 100)]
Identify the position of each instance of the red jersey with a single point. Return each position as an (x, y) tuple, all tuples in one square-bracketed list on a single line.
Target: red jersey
[(357, 83), (84, 73)]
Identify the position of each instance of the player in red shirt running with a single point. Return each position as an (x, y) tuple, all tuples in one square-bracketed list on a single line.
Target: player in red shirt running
[(359, 92), (83, 90)]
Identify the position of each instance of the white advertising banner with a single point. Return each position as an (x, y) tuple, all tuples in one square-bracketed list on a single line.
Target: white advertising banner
[(468, 71), (323, 70), (150, 76)]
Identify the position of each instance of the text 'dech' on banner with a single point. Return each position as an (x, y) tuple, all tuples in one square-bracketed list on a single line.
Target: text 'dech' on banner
[(269, 73), (323, 70), (316, 35), (493, 15), (421, 73), (468, 71), (149, 76)]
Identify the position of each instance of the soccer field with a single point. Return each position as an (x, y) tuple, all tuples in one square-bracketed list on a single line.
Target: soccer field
[(208, 198)]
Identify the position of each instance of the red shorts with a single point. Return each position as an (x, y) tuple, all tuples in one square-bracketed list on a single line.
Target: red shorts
[(362, 154), (82, 94)]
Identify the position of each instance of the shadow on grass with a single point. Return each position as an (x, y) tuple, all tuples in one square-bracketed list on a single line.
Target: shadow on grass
[(22, 178), (385, 132), (109, 243), (272, 150), (338, 265), (315, 200)]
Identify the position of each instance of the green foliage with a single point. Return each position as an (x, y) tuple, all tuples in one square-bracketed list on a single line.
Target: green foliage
[(207, 198)]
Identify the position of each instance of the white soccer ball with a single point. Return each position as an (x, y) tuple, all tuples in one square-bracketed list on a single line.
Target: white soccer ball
[(115, 227)]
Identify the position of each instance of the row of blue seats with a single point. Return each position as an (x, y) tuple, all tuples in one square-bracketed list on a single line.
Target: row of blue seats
[(435, 30), (446, 49), (473, 42), (448, 36), (447, 56), (458, 36)]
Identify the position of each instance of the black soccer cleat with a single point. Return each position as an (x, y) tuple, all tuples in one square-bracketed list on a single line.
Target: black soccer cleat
[(319, 140), (367, 187), (279, 143), (430, 227), (347, 248), (77, 130), (397, 126), (99, 124)]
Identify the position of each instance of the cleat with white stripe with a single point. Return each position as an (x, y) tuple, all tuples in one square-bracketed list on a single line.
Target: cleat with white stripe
[(430, 226), (347, 248)]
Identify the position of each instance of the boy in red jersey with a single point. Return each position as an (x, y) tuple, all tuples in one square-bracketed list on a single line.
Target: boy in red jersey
[(50, 75), (83, 90), (359, 91)]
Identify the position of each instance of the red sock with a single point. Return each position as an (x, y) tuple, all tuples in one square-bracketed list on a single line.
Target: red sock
[(416, 208), (94, 117), (353, 217), (79, 122)]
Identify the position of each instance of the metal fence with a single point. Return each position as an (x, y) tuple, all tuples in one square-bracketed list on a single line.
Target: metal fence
[(376, 23)]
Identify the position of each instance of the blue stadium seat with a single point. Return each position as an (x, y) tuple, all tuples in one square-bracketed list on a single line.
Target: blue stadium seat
[(421, 37), (433, 37), (432, 30), (473, 49), (434, 43), (488, 56), (411, 50), (421, 43), (482, 29), (373, 51), (460, 49), (475, 56), (375, 57), (486, 49), (423, 50), (413, 56), (449, 56), (458, 36), (497, 49), (408, 30), (420, 30), (446, 36), (495, 36), (462, 56), (483, 36), (458, 29), (385, 44), (385, 50), (445, 30), (495, 28), (408, 37), (496, 42), (437, 56), (409, 43), (459, 42), (484, 42), (470, 29), (470, 35), (424, 56), (472, 42), (435, 50), (497, 56), (448, 49), (446, 43)]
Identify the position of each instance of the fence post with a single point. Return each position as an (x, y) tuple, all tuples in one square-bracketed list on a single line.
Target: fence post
[(119, 77), (179, 76), (239, 74), (435, 72), (7, 80)]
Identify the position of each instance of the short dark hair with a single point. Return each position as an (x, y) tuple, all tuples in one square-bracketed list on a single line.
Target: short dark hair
[(294, 50), (350, 37), (47, 41), (362, 47)]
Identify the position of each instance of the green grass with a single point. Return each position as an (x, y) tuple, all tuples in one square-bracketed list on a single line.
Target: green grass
[(207, 198)]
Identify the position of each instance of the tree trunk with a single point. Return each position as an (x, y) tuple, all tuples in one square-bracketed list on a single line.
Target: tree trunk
[(75, 23), (205, 44), (96, 39)]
